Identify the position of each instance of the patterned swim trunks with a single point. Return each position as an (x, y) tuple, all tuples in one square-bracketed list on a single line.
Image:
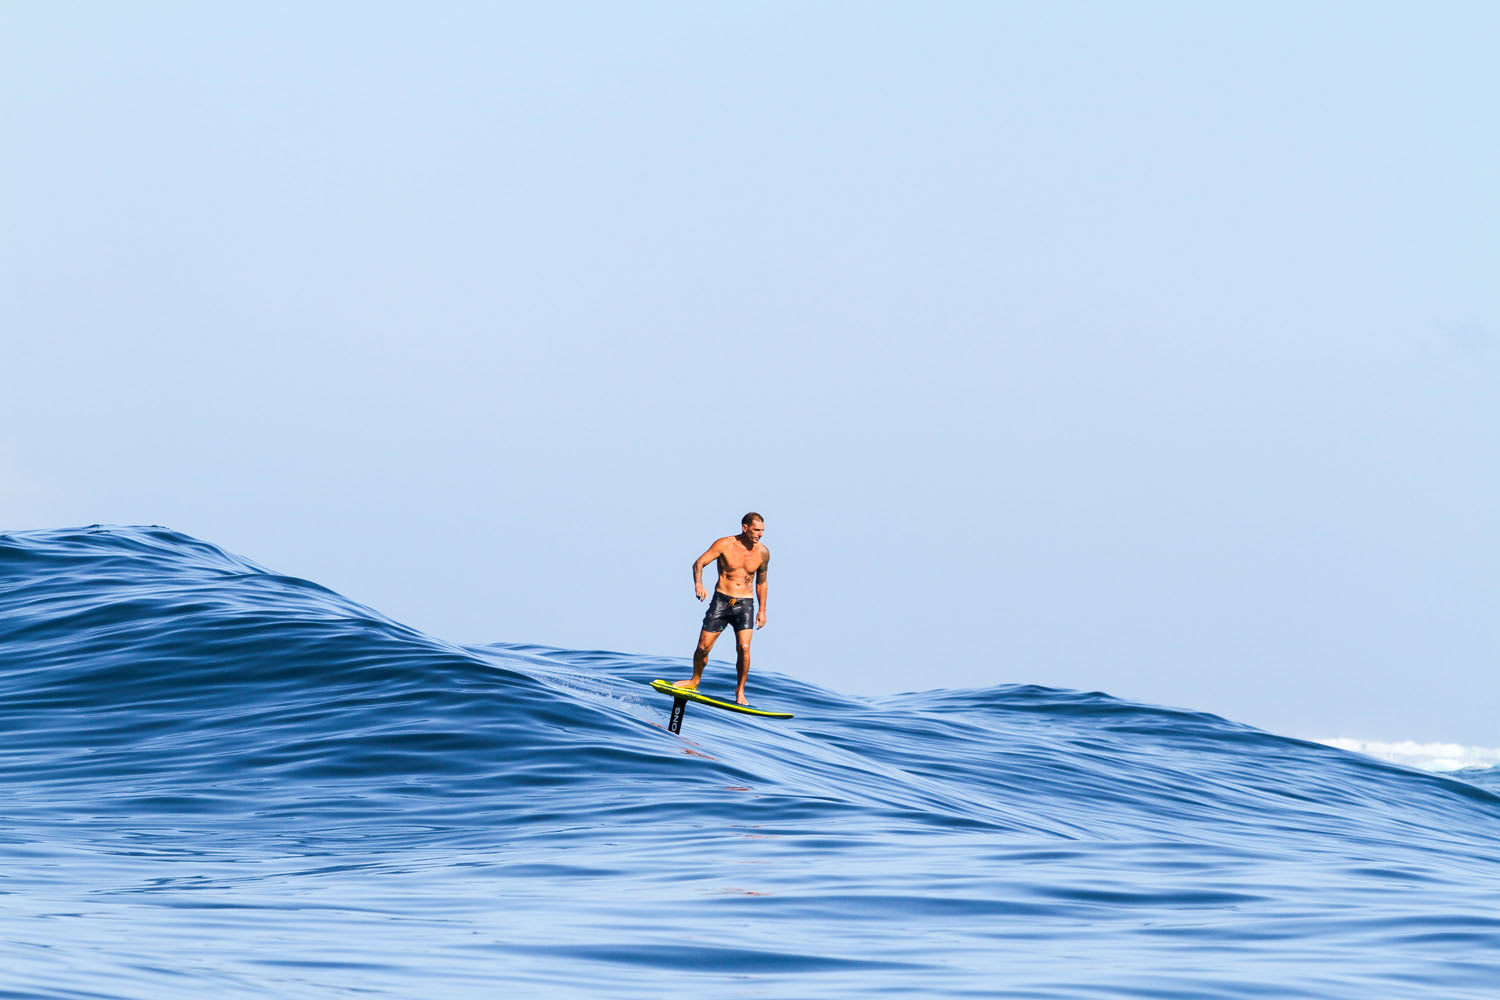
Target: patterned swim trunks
[(725, 610)]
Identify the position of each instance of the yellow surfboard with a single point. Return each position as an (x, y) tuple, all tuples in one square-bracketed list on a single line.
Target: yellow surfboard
[(681, 695)]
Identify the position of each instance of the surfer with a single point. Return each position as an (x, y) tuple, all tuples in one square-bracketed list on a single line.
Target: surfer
[(740, 558)]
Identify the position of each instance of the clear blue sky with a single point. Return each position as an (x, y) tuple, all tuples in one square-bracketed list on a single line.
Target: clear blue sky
[(1149, 348)]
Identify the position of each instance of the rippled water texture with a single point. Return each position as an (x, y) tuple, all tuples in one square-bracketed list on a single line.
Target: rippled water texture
[(223, 782)]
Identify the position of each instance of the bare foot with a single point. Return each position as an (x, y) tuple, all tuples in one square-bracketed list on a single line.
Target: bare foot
[(739, 699), (691, 684)]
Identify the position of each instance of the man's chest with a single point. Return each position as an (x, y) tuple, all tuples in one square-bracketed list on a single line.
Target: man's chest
[(740, 561)]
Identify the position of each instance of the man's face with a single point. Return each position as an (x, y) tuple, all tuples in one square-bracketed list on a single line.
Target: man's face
[(754, 529)]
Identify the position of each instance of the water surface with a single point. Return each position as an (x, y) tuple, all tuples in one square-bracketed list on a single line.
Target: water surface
[(223, 781)]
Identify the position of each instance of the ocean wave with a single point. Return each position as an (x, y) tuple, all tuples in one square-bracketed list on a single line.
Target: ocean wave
[(183, 724)]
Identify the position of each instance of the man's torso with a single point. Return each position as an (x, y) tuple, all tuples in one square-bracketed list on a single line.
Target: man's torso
[(738, 566)]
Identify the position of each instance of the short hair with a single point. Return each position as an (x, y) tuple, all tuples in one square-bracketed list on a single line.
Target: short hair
[(752, 517)]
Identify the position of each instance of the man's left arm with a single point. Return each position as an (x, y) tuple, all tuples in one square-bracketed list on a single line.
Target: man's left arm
[(760, 591)]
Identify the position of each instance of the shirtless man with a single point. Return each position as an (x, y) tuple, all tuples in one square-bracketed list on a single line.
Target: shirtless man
[(740, 557)]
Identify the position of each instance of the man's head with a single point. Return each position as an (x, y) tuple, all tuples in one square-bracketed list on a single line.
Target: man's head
[(752, 525)]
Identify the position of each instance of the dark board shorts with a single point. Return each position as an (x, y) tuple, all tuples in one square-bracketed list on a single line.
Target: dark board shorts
[(725, 610)]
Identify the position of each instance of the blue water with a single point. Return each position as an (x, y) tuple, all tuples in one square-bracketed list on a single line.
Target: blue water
[(219, 781)]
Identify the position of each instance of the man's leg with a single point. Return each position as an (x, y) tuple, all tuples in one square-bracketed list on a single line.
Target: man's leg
[(742, 663), (706, 642)]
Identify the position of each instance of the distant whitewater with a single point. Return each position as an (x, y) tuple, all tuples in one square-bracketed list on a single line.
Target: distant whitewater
[(1427, 756), (220, 781)]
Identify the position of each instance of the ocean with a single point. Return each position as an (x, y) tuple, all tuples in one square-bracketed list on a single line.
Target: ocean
[(221, 781)]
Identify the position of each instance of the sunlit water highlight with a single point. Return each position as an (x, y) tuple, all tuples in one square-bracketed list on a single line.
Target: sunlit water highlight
[(221, 781)]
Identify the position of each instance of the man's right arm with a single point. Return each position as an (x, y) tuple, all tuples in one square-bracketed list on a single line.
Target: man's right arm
[(704, 560)]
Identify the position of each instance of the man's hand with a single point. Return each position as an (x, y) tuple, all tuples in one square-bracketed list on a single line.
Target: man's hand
[(699, 589), (760, 618)]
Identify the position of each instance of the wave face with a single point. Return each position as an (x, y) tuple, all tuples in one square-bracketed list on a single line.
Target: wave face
[(222, 781)]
